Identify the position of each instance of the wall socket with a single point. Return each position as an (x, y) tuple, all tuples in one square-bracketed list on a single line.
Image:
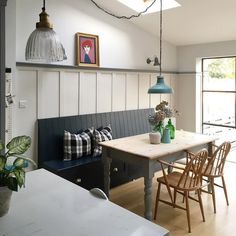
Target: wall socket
[(22, 103)]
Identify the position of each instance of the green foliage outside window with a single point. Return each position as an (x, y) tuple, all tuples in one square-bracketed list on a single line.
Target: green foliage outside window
[(221, 68)]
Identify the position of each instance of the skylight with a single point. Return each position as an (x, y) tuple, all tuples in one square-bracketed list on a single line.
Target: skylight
[(140, 5)]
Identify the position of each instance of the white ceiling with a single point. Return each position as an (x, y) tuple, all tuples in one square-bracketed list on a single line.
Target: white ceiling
[(196, 21)]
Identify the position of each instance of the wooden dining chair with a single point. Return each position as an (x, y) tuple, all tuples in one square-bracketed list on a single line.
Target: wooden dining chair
[(184, 182), (214, 168)]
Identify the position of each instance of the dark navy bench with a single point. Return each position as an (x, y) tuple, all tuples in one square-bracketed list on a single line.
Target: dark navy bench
[(88, 171)]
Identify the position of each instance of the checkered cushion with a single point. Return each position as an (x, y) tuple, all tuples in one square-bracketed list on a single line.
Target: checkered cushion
[(100, 136), (77, 145)]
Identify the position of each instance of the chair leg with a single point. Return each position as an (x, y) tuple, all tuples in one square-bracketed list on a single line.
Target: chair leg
[(170, 194), (225, 190), (175, 193), (209, 186), (157, 200), (213, 193), (184, 198), (200, 203), (187, 211), (201, 185)]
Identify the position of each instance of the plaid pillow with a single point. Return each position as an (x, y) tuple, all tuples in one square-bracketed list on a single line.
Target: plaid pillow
[(100, 136), (77, 145)]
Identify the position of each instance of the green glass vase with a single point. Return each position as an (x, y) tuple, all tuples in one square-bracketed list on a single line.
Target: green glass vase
[(171, 128)]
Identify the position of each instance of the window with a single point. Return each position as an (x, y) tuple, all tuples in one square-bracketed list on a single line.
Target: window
[(219, 97)]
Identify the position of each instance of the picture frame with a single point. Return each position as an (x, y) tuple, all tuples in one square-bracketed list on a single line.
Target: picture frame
[(87, 46)]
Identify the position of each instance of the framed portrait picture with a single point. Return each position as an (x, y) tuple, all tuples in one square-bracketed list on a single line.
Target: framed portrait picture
[(87, 47)]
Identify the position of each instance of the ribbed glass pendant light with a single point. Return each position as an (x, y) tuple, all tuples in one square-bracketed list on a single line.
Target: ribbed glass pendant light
[(160, 86), (43, 44)]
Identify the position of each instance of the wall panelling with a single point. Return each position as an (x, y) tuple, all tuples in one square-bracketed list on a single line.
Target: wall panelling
[(54, 92)]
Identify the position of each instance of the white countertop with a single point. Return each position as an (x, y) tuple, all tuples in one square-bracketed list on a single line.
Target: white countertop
[(52, 206)]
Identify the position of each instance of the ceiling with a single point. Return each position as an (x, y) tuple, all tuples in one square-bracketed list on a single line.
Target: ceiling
[(195, 22)]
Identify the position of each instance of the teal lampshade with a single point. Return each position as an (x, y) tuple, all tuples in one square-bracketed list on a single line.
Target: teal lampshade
[(160, 86)]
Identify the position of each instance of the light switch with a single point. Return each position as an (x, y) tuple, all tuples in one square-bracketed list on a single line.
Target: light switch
[(22, 103)]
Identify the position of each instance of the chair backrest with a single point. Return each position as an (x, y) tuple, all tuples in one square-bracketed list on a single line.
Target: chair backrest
[(215, 165), (192, 173)]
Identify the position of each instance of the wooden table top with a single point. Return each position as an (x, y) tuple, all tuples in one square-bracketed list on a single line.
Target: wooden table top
[(139, 144)]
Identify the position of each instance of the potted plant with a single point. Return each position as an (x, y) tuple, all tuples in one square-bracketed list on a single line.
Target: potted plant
[(12, 169)]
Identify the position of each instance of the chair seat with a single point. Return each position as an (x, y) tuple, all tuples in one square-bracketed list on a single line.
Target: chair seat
[(173, 180)]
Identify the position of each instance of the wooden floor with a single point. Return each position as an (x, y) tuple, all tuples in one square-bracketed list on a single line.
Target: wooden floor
[(223, 223)]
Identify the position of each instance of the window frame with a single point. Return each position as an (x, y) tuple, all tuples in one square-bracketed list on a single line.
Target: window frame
[(217, 91)]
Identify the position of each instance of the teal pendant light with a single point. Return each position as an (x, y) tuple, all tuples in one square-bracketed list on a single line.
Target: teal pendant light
[(160, 86)]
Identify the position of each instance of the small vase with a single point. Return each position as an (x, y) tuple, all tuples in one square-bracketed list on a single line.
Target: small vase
[(155, 137), (171, 128), (159, 128), (166, 136), (5, 198)]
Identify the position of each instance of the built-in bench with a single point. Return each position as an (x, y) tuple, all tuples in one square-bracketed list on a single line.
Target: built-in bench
[(88, 171)]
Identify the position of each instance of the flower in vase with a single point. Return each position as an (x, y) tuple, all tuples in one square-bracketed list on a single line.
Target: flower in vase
[(162, 111), (169, 112)]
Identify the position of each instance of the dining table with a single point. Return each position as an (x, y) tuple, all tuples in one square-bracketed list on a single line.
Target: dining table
[(138, 151)]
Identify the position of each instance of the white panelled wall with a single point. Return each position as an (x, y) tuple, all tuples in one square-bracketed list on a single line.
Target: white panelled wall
[(47, 93)]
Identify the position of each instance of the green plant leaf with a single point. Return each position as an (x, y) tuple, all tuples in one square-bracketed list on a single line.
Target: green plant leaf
[(12, 183), (20, 177), (2, 163), (19, 163), (19, 145), (1, 145), (9, 168), (22, 162)]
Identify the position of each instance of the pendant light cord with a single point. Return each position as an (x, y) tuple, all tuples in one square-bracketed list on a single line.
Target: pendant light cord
[(123, 17), (160, 33), (43, 5)]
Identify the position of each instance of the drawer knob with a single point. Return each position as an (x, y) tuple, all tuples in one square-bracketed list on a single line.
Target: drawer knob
[(79, 180), (115, 169)]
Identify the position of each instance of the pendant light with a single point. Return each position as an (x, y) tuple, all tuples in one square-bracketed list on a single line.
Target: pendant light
[(43, 44), (160, 86)]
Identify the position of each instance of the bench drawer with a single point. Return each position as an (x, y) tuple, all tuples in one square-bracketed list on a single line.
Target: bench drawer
[(118, 173), (87, 176)]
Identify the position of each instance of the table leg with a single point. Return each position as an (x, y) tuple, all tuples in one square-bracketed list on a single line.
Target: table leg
[(106, 166), (148, 197), (210, 153)]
